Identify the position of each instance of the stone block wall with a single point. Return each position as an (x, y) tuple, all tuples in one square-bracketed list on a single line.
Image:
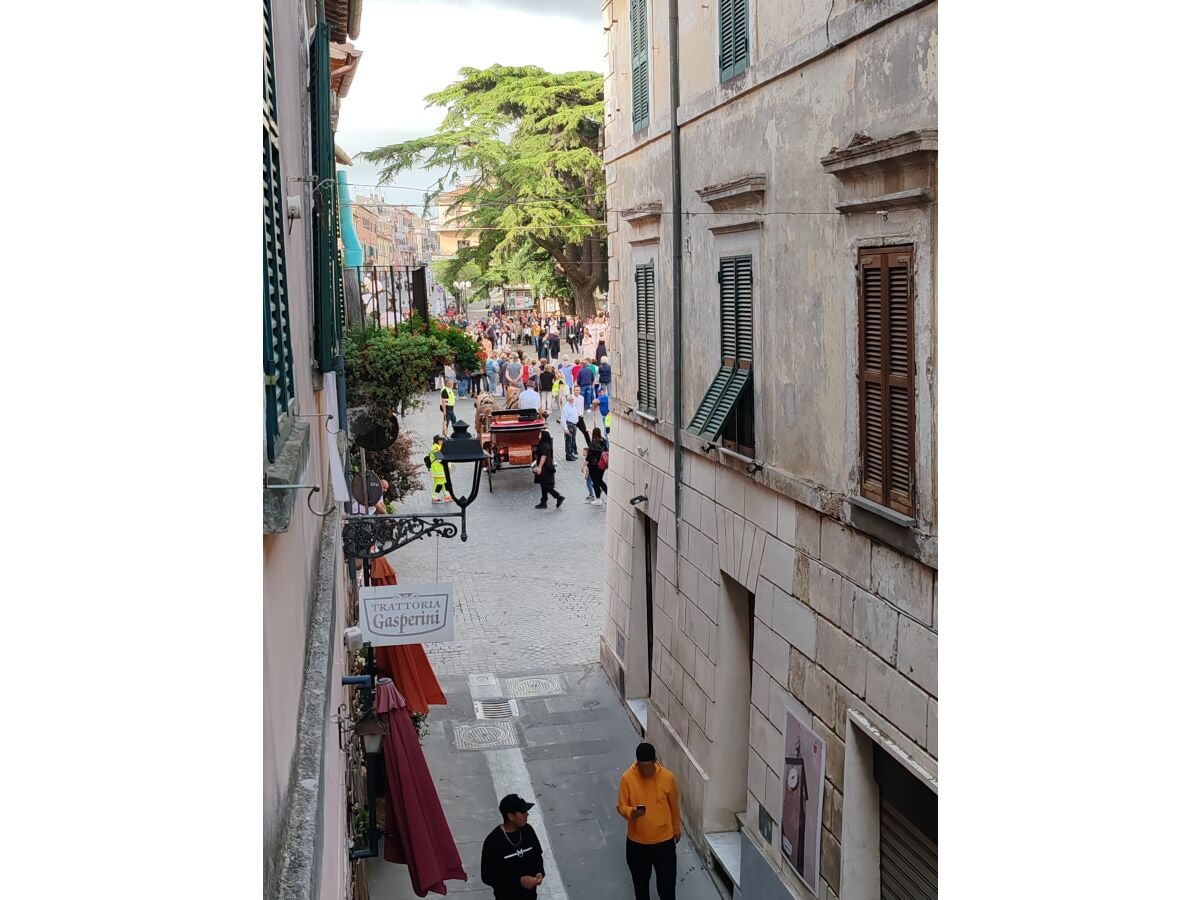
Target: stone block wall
[(842, 622)]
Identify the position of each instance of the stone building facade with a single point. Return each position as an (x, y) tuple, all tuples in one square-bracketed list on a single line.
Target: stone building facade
[(794, 589)]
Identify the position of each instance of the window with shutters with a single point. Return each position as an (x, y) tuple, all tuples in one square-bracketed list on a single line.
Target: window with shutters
[(278, 374), (886, 381), (734, 52), (639, 64), (326, 263), (647, 338), (726, 412)]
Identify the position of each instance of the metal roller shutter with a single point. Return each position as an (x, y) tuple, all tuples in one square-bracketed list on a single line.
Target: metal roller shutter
[(907, 859)]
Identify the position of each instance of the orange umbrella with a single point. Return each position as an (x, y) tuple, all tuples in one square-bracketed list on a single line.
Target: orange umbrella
[(407, 664)]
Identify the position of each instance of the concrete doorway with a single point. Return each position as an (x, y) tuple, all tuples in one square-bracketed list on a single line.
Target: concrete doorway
[(639, 657), (726, 797)]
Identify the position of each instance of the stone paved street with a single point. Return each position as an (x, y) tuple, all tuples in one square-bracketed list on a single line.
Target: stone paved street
[(528, 603)]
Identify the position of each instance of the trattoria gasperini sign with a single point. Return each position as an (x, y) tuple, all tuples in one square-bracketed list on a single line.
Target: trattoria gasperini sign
[(406, 614)]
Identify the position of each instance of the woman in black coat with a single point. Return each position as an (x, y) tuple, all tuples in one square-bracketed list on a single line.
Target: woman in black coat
[(543, 471)]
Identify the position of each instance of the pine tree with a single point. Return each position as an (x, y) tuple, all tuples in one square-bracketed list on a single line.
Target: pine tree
[(528, 146)]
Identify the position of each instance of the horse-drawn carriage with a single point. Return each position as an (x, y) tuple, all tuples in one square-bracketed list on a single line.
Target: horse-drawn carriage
[(509, 436)]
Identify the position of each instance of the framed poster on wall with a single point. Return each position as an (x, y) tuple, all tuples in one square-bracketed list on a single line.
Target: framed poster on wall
[(803, 786)]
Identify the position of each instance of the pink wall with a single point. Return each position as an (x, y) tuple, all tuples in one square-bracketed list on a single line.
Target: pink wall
[(290, 559)]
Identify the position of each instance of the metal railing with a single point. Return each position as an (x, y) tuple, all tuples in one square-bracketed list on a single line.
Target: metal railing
[(378, 295)]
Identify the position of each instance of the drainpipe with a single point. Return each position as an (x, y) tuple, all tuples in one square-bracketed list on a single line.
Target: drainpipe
[(676, 273)]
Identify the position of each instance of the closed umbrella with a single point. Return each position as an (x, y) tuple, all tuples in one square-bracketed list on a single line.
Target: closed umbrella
[(417, 834)]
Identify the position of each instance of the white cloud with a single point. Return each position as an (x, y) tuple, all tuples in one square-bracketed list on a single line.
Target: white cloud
[(412, 49)]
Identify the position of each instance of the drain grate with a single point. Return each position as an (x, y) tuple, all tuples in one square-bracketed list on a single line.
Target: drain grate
[(536, 686), (486, 736), (496, 709)]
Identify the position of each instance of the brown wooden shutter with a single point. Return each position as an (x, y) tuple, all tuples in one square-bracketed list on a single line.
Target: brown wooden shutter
[(900, 380), (886, 378)]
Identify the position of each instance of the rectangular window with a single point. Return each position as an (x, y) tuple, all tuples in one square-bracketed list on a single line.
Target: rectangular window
[(647, 339), (886, 384), (734, 16), (727, 408), (277, 334), (326, 264), (640, 64)]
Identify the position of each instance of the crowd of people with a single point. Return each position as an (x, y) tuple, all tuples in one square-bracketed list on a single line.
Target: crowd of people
[(572, 388)]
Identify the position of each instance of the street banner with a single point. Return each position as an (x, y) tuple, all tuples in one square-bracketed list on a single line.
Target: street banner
[(393, 614), (803, 786)]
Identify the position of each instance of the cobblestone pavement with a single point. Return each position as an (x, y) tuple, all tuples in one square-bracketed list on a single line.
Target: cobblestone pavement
[(528, 594), (528, 583)]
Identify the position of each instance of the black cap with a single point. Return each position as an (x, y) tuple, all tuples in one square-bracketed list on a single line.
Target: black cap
[(645, 752), (514, 804)]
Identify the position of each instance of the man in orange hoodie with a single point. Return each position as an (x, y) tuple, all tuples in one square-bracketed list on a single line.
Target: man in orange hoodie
[(649, 800)]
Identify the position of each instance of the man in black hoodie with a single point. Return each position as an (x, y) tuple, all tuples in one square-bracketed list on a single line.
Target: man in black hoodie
[(511, 862)]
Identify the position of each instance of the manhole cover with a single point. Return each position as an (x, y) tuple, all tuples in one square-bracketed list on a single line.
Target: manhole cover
[(496, 709), (485, 680), (536, 686), (485, 736)]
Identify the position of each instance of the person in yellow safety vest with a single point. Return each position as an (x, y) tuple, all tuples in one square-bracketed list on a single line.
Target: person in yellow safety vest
[(448, 398), (437, 471)]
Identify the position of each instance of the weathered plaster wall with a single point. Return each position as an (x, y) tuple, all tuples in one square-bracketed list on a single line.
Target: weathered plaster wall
[(842, 621)]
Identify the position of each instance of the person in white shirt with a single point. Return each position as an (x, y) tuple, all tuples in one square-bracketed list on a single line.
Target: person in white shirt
[(529, 399), (572, 418)]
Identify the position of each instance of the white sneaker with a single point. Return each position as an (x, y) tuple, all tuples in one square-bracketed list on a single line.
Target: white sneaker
[(596, 502)]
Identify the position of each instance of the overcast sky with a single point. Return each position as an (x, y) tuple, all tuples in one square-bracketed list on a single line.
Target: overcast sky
[(412, 48)]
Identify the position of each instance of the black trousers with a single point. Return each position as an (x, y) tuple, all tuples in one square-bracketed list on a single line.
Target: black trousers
[(641, 857), (597, 475), (548, 491)]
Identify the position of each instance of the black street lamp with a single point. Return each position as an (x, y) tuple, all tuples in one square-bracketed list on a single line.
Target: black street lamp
[(371, 730), (369, 536)]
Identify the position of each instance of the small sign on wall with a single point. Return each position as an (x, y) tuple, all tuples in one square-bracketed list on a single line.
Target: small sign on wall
[(803, 787), (393, 614)]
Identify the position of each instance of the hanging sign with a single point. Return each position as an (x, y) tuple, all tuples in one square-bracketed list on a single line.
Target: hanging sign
[(394, 614)]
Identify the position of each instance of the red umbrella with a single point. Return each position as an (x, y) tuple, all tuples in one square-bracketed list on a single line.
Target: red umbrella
[(417, 835)]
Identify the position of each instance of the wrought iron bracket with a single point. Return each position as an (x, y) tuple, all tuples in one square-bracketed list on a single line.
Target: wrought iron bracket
[(368, 537)]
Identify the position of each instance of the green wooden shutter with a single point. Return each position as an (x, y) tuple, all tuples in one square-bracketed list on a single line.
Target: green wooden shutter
[(640, 63), (734, 19), (699, 423), (326, 274), (651, 342), (278, 375), (743, 279), (738, 382), (643, 362), (647, 339), (727, 279), (736, 279)]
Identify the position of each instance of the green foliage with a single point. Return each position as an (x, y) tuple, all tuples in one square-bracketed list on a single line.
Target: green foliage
[(462, 348), (389, 370), (528, 144)]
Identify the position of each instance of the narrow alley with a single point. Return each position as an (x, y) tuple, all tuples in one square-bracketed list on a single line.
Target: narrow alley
[(528, 593)]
